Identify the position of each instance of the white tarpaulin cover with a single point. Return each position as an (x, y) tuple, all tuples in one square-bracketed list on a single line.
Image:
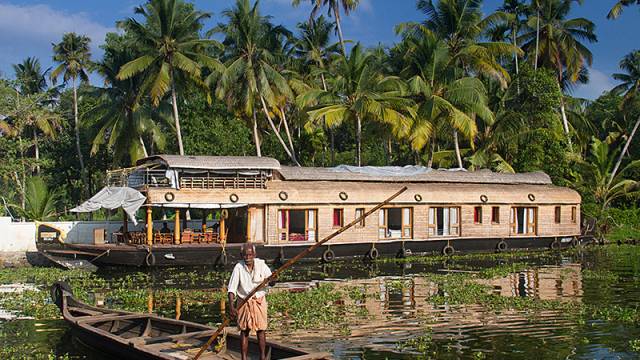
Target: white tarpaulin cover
[(409, 170), (130, 200)]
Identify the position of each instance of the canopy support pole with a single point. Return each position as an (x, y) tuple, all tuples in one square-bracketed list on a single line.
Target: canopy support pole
[(149, 227), (176, 228), (125, 227), (221, 231)]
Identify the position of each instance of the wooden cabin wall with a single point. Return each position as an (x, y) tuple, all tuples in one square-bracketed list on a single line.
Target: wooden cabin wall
[(546, 225)]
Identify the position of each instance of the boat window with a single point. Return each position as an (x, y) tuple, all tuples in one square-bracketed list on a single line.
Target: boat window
[(477, 215), (359, 213), (443, 221), (297, 225), (395, 223), (523, 220), (574, 214), (495, 215), (338, 217), (557, 215)]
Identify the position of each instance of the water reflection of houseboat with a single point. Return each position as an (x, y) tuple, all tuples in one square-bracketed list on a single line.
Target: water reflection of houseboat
[(285, 209), (399, 309)]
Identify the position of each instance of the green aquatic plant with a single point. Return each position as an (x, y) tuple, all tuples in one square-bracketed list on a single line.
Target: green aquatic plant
[(321, 307), (600, 275), (422, 344)]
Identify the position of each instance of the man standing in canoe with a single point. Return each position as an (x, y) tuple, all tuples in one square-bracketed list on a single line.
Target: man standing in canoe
[(247, 274)]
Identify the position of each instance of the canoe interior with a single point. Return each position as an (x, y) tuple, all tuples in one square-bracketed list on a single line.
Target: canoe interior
[(163, 338)]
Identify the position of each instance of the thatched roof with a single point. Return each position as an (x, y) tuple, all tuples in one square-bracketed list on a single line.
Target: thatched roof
[(437, 176), (343, 173), (212, 162)]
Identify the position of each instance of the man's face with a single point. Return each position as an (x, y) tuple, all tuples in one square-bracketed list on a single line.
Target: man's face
[(248, 255)]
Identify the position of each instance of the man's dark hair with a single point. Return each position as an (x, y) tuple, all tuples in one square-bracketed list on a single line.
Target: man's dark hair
[(246, 246)]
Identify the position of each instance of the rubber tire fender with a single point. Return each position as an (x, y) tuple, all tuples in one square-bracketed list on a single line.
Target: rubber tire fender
[(150, 259), (373, 254), (328, 255), (448, 250), (555, 245), (502, 246)]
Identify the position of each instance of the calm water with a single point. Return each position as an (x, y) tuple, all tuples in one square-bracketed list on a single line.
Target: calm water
[(398, 309)]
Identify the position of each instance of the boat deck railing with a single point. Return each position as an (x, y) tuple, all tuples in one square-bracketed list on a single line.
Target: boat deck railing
[(186, 237), (138, 178)]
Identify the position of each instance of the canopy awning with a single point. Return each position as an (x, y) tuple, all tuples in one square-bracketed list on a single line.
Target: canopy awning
[(130, 200)]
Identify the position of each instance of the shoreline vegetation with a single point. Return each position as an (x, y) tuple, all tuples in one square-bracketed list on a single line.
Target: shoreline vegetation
[(333, 306)]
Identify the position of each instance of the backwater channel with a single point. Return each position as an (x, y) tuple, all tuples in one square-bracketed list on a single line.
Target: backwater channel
[(575, 304)]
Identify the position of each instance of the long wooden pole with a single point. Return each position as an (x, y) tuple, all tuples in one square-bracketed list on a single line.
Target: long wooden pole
[(292, 261)]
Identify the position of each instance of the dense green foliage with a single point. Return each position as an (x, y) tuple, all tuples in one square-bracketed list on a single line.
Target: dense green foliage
[(460, 88)]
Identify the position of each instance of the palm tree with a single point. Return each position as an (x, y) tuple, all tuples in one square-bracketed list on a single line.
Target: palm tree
[(314, 49), (32, 83), (535, 4), (359, 93), (460, 26), (121, 117), (26, 115), (333, 9), (616, 10), (169, 44), (30, 76), (442, 99), (561, 44), (597, 170), (631, 88), (511, 12), (40, 202), (250, 82), (74, 59)]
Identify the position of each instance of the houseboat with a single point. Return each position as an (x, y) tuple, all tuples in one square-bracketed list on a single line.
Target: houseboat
[(216, 203)]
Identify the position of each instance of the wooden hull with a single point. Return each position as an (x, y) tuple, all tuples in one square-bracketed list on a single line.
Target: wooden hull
[(213, 254), (126, 335)]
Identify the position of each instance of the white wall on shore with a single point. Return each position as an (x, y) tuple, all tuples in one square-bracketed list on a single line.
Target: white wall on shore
[(17, 236), (21, 236)]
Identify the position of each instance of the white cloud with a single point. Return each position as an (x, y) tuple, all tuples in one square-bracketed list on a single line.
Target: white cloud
[(598, 83), (30, 30)]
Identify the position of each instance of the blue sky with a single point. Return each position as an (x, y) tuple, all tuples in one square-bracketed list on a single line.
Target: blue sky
[(28, 28)]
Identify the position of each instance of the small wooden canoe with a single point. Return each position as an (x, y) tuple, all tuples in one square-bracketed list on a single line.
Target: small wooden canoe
[(146, 336)]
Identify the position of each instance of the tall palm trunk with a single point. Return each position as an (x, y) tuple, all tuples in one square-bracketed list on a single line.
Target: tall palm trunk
[(286, 129), (76, 126), (457, 146), (358, 140), (176, 117), (565, 123), (256, 138), (331, 132), (36, 150), (336, 14), (624, 151), (535, 64), (515, 57), (433, 151), (144, 148), (275, 130)]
